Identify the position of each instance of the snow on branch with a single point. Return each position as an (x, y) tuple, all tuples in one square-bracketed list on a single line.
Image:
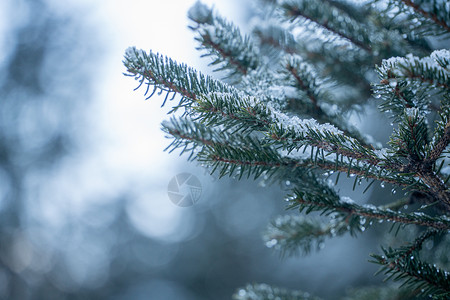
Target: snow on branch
[(411, 82), (312, 202), (223, 42), (432, 70), (420, 18), (437, 11), (325, 15), (163, 74), (283, 116)]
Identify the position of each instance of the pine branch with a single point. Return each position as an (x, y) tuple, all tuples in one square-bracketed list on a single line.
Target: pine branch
[(315, 95), (411, 79), (326, 138), (221, 107), (438, 189), (420, 18), (311, 202), (405, 265), (264, 291), (427, 71), (429, 15), (399, 204), (441, 137), (261, 159), (292, 234), (417, 245), (345, 63), (223, 42), (306, 80), (410, 141), (299, 234), (190, 136), (275, 37), (164, 74), (289, 132), (258, 127)]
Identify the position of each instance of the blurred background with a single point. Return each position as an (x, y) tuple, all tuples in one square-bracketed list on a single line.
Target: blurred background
[(84, 209)]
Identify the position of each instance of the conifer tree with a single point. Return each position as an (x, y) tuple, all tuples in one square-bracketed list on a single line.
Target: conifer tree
[(281, 112)]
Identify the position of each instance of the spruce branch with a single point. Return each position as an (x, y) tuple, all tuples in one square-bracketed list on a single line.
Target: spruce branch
[(261, 158), (416, 246), (420, 18), (290, 132), (325, 138), (231, 110), (398, 95), (359, 12), (275, 37), (438, 6), (438, 189), (305, 81), (344, 64), (404, 264), (164, 74), (201, 140), (228, 107), (261, 125), (441, 138), (325, 15), (329, 57), (263, 291), (190, 136), (410, 141), (292, 234), (304, 200), (223, 42), (427, 71), (315, 89)]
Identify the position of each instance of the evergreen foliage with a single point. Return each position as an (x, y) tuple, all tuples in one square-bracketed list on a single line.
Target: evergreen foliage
[(282, 112)]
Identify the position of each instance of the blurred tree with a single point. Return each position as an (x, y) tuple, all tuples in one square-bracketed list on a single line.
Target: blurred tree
[(41, 102), (283, 111)]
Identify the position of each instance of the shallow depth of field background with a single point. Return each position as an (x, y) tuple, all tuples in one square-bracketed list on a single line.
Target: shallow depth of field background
[(84, 210)]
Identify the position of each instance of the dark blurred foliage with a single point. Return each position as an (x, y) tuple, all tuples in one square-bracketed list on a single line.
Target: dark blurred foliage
[(49, 252)]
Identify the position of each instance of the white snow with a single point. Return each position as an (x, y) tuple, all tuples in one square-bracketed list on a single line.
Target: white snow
[(381, 153), (136, 56), (412, 111), (300, 125), (430, 62), (347, 200)]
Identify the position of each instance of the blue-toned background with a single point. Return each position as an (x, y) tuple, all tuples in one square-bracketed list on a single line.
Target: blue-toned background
[(84, 210)]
